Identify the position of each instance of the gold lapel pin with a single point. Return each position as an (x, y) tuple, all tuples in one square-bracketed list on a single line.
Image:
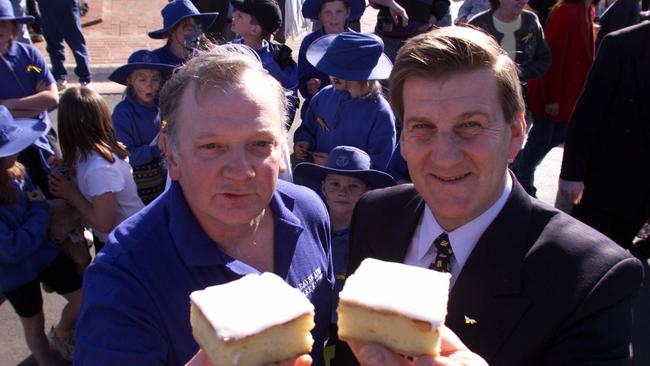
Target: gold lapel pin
[(469, 320)]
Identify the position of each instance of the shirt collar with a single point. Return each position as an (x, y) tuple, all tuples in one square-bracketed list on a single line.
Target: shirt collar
[(464, 238), (13, 48), (197, 249)]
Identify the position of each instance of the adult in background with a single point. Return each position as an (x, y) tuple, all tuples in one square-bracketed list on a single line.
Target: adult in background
[(136, 119), (621, 14), (60, 21), (225, 215), (551, 98), (530, 284), (605, 164), (183, 27)]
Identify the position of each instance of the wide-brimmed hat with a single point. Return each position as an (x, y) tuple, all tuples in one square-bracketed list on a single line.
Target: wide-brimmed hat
[(342, 160), (311, 8), (141, 59), (178, 10), (350, 56), (7, 13), (17, 134), (267, 12)]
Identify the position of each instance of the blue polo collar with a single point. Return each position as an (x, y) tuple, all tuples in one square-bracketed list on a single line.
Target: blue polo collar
[(13, 49), (196, 249)]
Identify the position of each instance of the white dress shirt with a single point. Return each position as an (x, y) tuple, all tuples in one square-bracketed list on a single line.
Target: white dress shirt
[(422, 252)]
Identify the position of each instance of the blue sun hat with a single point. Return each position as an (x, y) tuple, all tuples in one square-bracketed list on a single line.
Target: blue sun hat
[(17, 134), (311, 8), (141, 59), (7, 13), (178, 10), (350, 56), (343, 160)]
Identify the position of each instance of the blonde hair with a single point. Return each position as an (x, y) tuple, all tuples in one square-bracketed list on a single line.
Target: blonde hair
[(9, 193)]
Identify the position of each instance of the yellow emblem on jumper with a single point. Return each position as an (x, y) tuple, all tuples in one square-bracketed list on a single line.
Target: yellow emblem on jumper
[(469, 320), (527, 37), (32, 68), (322, 124)]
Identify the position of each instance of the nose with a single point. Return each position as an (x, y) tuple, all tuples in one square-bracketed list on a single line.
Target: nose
[(238, 164), (446, 150)]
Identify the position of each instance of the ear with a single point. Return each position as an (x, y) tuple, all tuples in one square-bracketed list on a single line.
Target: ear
[(285, 156), (172, 163), (517, 135)]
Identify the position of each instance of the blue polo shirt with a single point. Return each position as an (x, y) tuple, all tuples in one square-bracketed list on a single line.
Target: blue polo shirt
[(29, 67), (136, 125), (136, 308)]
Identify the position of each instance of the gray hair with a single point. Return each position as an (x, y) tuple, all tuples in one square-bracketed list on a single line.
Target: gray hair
[(221, 66)]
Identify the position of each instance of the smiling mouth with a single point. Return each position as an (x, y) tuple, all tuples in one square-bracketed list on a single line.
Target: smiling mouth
[(451, 179)]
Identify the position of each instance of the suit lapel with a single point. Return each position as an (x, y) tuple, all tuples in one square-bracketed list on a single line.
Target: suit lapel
[(485, 303), (397, 241)]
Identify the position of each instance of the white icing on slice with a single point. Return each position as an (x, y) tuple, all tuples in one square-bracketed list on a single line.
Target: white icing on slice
[(251, 304), (417, 293)]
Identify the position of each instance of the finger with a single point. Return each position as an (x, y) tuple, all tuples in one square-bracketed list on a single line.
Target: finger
[(304, 360), (450, 342), (199, 359), (376, 355)]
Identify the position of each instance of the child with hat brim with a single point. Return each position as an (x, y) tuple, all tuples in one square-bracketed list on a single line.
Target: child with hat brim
[(183, 27), (344, 178), (136, 119), (28, 256), (333, 16), (28, 90), (352, 110), (254, 21)]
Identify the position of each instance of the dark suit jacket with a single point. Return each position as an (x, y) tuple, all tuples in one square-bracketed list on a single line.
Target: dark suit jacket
[(621, 14), (608, 143), (543, 288)]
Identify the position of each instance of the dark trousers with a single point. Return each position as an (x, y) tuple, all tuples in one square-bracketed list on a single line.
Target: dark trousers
[(60, 22), (544, 135)]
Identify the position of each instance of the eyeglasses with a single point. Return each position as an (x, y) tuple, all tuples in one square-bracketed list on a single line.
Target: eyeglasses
[(353, 189)]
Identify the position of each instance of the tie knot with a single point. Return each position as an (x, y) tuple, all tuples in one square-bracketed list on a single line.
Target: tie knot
[(442, 263)]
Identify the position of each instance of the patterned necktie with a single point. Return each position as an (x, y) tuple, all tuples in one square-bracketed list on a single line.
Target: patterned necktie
[(442, 263)]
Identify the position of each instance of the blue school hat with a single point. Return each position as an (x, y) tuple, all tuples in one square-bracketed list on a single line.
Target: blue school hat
[(18, 134), (7, 13), (311, 8), (350, 56), (343, 160), (178, 10), (141, 59)]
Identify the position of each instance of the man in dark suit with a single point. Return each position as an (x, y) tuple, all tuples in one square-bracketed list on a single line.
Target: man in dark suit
[(607, 153), (621, 14), (530, 284)]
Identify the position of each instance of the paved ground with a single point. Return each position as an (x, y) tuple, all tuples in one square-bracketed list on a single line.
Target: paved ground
[(122, 30)]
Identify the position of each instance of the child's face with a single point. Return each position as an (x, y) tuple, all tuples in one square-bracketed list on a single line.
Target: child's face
[(242, 24), (342, 193), (186, 31), (145, 84), (7, 33), (333, 15)]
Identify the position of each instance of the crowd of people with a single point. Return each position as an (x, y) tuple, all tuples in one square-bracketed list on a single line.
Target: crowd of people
[(419, 133)]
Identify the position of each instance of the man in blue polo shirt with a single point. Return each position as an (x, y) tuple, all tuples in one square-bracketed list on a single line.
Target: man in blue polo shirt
[(226, 215)]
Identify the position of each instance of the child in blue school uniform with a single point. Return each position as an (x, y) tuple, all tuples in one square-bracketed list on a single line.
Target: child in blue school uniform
[(27, 256), (254, 21), (183, 27), (27, 89), (136, 119), (333, 15), (344, 178), (352, 111)]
